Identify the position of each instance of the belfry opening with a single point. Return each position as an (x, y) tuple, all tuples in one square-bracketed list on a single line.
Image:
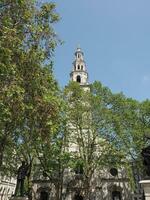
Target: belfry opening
[(79, 79)]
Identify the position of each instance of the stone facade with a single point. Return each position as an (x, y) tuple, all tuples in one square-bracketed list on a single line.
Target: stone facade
[(104, 187), (7, 187)]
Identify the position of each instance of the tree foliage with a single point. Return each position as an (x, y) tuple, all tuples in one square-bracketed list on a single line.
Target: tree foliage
[(89, 122), (106, 130), (92, 130), (29, 100)]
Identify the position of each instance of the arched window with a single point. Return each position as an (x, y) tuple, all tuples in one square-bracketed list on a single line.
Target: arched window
[(81, 67), (78, 79), (78, 66)]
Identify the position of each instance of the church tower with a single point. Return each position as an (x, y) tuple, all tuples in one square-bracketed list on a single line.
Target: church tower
[(79, 72)]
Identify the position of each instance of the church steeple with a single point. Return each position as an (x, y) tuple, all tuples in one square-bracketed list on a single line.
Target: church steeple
[(79, 73)]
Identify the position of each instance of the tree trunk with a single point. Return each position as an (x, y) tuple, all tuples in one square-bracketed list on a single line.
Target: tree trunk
[(87, 189), (57, 187)]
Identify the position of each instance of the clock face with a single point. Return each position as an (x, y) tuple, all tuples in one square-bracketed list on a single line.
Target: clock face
[(113, 171)]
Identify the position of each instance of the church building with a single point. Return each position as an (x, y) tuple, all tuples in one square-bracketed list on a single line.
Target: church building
[(111, 184)]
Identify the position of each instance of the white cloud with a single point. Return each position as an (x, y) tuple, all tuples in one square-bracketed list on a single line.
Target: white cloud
[(146, 79)]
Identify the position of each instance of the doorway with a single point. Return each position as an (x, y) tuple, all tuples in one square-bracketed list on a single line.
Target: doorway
[(44, 195), (116, 195), (78, 197)]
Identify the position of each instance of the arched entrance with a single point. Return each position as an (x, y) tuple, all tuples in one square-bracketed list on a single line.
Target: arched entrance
[(116, 195), (115, 192), (44, 195), (78, 197)]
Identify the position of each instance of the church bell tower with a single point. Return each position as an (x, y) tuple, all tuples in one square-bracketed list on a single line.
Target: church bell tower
[(79, 72)]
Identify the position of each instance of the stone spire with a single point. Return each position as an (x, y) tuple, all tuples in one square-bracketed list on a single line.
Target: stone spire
[(79, 73)]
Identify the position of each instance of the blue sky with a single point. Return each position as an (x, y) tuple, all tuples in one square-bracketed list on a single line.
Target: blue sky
[(115, 38)]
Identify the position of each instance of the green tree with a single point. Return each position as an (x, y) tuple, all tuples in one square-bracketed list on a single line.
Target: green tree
[(29, 100), (88, 124), (52, 155), (128, 133)]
